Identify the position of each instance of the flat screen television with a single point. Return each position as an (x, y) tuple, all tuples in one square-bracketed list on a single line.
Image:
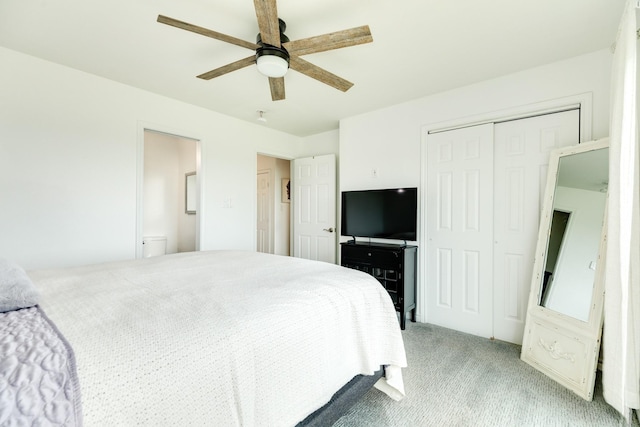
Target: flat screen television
[(383, 214)]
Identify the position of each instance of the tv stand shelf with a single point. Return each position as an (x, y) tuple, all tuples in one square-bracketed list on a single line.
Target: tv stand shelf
[(393, 265)]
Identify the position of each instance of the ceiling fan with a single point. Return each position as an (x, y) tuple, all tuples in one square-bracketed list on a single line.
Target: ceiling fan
[(275, 53)]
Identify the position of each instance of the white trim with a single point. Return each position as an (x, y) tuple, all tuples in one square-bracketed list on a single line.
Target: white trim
[(421, 294), (510, 118), (181, 133), (583, 101), (275, 155)]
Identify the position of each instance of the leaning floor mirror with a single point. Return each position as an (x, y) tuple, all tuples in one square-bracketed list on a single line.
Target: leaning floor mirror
[(563, 327)]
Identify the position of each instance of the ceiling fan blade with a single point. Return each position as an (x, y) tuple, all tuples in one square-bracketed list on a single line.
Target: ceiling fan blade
[(330, 41), (277, 88), (319, 74), (206, 32), (267, 14), (228, 68)]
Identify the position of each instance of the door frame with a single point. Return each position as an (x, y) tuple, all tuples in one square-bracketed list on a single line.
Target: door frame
[(583, 101), (180, 133)]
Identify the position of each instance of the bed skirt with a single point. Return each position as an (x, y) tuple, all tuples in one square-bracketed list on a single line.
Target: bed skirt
[(342, 401)]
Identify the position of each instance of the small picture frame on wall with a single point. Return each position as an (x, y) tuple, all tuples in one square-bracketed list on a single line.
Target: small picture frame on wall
[(286, 190)]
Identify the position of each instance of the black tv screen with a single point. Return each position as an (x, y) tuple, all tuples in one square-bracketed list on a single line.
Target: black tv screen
[(384, 214)]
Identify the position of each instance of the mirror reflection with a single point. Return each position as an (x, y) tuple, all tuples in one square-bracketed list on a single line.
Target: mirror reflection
[(579, 203)]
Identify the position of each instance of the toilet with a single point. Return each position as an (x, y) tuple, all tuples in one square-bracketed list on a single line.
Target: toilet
[(154, 246)]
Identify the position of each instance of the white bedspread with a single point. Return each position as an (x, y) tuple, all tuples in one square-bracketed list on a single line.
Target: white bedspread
[(219, 338)]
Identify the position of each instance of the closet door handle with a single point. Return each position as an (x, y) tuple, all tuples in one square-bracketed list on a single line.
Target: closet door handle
[(330, 229)]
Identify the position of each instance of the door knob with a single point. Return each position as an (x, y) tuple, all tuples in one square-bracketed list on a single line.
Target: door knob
[(330, 229)]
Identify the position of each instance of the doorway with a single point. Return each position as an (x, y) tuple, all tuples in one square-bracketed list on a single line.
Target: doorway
[(168, 224), (273, 205)]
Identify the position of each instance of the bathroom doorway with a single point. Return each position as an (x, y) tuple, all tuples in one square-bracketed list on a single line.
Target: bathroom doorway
[(273, 205), (170, 194)]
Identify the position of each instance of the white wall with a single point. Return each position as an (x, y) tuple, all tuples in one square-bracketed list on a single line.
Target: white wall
[(319, 144), (167, 158), (390, 140), (187, 156), (69, 164), (161, 188), (69, 160)]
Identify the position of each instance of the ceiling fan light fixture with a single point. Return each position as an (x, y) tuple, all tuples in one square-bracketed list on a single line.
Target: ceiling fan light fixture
[(272, 61)]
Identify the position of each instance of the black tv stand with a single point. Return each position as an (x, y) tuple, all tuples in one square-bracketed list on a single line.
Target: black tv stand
[(393, 265)]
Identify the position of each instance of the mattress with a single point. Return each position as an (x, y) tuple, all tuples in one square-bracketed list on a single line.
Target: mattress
[(220, 337)]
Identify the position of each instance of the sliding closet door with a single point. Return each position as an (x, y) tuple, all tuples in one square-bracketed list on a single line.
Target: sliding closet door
[(484, 190), (459, 229), (522, 150)]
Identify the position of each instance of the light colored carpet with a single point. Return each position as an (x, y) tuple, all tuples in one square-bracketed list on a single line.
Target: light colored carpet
[(456, 379)]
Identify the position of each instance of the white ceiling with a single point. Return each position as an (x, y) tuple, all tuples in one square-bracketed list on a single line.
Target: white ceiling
[(420, 47)]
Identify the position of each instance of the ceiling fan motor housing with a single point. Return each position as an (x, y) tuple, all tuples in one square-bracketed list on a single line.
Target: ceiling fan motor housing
[(270, 58)]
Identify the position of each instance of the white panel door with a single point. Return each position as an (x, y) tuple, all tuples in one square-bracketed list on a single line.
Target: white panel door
[(264, 227), (314, 208), (522, 150), (459, 229)]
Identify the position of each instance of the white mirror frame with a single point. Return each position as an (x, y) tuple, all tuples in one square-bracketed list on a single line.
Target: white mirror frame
[(562, 347)]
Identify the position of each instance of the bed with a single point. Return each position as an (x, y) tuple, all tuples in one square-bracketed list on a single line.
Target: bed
[(218, 338)]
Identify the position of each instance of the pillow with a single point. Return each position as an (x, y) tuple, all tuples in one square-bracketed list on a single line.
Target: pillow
[(16, 289)]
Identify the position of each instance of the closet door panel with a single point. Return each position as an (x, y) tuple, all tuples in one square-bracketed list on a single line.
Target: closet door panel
[(522, 150), (459, 229)]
